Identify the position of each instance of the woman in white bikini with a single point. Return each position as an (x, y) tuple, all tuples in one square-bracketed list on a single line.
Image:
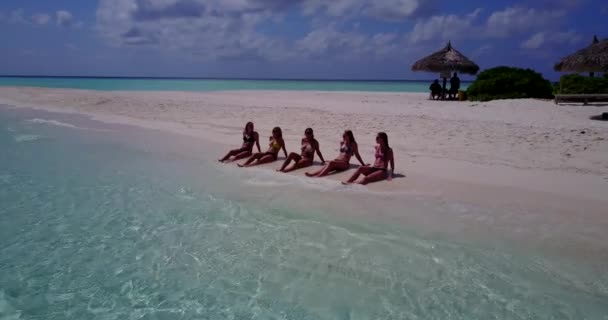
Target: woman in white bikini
[(348, 148), (310, 145)]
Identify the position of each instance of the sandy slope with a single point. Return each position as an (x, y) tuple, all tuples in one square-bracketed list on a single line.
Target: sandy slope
[(508, 151)]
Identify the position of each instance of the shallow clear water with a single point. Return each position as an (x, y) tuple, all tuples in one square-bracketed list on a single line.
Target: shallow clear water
[(94, 227), (214, 84)]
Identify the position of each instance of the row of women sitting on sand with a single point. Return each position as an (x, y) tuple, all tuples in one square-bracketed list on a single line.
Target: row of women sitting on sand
[(348, 148)]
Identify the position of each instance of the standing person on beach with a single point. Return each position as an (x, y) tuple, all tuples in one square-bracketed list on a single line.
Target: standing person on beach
[(250, 137), (379, 171), (348, 148), (276, 144), (310, 145), (454, 85)]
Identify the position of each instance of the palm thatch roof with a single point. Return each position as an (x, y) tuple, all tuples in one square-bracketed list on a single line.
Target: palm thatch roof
[(447, 59), (593, 58)]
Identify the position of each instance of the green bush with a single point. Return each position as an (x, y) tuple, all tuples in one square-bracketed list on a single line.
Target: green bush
[(509, 83), (577, 84)]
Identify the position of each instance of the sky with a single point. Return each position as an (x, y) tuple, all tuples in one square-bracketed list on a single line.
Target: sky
[(303, 39)]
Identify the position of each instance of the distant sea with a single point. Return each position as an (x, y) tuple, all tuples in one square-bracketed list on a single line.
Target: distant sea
[(175, 84)]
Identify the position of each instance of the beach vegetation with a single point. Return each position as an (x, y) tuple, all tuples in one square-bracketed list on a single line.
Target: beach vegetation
[(509, 83), (579, 84)]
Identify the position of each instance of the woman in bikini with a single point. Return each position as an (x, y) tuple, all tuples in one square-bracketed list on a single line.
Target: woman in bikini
[(379, 171), (275, 145), (348, 148), (310, 145), (250, 137)]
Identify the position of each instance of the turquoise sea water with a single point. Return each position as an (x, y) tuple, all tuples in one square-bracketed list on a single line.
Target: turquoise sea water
[(214, 85), (109, 222)]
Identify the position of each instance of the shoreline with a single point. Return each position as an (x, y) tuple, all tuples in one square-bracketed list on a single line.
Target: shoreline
[(431, 204), (485, 177)]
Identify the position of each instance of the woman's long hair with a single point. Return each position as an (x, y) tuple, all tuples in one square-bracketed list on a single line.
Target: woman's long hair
[(247, 126), (351, 136), (384, 137), (312, 134), (279, 133)]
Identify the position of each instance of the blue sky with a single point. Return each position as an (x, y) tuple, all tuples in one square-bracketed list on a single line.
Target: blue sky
[(360, 39)]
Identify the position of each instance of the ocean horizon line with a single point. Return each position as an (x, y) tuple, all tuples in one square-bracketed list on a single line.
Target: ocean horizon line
[(215, 84), (218, 78)]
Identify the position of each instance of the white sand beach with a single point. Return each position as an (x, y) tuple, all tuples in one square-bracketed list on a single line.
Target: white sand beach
[(512, 152)]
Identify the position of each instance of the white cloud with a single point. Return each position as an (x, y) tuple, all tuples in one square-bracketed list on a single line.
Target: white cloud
[(396, 10), (558, 3), (41, 18), (535, 41), (517, 20), (64, 18), (227, 29), (320, 42), (334, 8), (215, 30), (507, 23), (14, 16), (446, 27), (329, 42), (482, 50), (389, 10), (550, 39)]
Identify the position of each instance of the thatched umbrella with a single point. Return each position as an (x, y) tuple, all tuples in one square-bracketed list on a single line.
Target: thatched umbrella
[(446, 60), (591, 59)]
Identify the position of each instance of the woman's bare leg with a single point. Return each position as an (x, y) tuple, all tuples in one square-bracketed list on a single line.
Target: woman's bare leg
[(333, 166), (316, 173), (323, 171), (360, 171), (240, 156), (303, 163), (267, 158), (375, 176), (229, 154), (355, 175), (251, 159), (292, 156)]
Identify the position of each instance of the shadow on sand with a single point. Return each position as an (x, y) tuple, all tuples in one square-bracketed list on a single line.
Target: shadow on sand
[(590, 104), (601, 117)]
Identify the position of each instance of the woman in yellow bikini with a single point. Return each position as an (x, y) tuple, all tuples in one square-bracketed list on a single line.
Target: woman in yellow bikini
[(310, 145), (275, 145), (348, 148)]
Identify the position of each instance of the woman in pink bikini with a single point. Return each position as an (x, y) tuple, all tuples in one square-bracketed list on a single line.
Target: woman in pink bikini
[(379, 171), (348, 148), (250, 138), (310, 145)]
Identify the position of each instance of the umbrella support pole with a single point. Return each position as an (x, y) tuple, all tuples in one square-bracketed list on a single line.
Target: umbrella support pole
[(444, 93)]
